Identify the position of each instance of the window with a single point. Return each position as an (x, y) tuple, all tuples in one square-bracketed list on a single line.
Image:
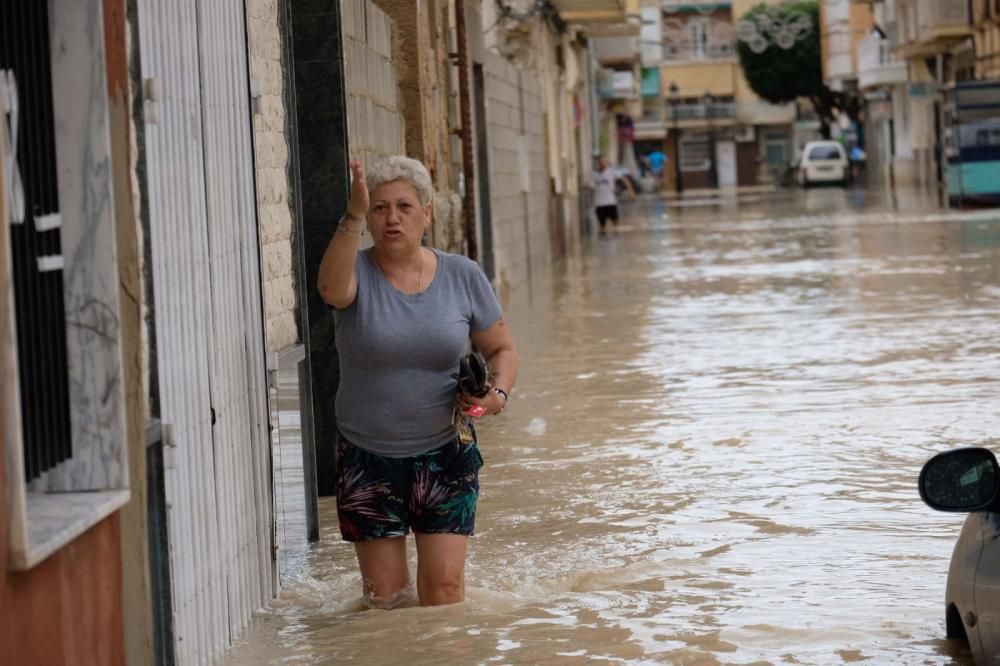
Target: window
[(777, 153), (695, 147), (825, 153), (36, 262), (708, 38), (59, 356), (698, 38), (988, 137)]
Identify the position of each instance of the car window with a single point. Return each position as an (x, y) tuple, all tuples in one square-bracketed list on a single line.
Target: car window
[(988, 137), (824, 153)]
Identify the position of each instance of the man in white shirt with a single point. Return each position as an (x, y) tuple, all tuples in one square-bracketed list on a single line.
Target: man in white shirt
[(605, 200)]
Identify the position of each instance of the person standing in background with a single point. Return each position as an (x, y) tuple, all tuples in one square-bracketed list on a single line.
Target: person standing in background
[(656, 159), (605, 199)]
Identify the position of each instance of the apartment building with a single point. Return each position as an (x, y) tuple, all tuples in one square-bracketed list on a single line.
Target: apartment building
[(933, 37), (986, 36), (843, 25), (697, 107), (882, 81), (620, 86)]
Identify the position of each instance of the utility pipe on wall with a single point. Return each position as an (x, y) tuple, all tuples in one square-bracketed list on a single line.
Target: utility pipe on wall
[(461, 60)]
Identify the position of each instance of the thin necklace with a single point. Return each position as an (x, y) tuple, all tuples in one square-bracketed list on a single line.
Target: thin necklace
[(420, 277), (420, 274)]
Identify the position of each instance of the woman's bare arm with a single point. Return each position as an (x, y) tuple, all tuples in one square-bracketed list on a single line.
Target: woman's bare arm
[(337, 284), (497, 345)]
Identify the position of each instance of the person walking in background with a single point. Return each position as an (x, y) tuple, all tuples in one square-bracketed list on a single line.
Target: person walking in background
[(656, 159), (406, 453), (857, 158), (605, 199)]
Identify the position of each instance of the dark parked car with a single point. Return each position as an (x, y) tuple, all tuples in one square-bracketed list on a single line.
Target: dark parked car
[(968, 481)]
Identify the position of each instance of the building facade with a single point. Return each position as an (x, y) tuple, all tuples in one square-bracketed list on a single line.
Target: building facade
[(883, 82), (697, 106), (934, 40), (911, 67), (70, 336), (986, 36), (842, 26), (170, 385)]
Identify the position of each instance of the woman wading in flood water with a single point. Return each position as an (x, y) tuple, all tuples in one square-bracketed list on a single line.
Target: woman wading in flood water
[(405, 315)]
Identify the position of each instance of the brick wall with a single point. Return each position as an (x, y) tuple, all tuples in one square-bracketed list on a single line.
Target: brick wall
[(519, 200), (271, 147)]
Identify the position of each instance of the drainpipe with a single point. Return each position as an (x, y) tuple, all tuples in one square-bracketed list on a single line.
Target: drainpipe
[(461, 60), (939, 149), (525, 165), (595, 129)]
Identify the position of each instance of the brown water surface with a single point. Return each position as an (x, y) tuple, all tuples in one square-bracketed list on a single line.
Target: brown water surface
[(711, 455)]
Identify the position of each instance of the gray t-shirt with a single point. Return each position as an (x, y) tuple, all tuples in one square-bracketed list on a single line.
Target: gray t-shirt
[(398, 353)]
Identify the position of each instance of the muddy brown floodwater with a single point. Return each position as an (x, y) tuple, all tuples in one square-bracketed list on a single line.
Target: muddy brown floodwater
[(712, 451)]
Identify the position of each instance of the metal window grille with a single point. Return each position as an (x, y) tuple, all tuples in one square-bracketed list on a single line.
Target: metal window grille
[(26, 88), (695, 149)]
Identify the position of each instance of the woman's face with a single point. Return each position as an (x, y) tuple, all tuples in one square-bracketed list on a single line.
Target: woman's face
[(396, 218)]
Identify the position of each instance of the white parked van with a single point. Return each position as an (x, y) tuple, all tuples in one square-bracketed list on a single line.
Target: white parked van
[(823, 162)]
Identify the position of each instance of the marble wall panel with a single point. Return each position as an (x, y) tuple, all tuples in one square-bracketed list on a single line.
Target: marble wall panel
[(90, 274)]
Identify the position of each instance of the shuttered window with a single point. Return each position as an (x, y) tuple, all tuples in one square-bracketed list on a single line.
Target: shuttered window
[(32, 196), (695, 149)]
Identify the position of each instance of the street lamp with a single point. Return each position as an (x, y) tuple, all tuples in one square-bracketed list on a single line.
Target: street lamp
[(713, 174), (675, 98)]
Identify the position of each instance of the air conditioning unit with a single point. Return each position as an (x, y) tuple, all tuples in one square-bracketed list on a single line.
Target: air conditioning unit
[(745, 133)]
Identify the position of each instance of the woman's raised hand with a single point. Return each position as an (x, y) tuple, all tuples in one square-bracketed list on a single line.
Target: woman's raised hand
[(359, 202)]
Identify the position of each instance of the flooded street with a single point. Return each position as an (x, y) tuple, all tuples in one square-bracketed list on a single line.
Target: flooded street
[(712, 451)]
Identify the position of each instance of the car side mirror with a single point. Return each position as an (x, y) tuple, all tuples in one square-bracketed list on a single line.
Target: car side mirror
[(962, 480)]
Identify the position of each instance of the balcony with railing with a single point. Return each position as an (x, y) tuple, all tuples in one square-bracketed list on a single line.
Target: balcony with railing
[(617, 84), (925, 27), (688, 51), (877, 64), (839, 63), (597, 12), (765, 113), (942, 19), (615, 49), (691, 111), (659, 116)]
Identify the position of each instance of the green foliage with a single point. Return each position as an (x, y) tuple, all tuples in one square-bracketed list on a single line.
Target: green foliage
[(782, 75)]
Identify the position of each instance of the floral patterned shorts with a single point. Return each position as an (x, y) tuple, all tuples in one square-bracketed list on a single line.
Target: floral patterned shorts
[(434, 492)]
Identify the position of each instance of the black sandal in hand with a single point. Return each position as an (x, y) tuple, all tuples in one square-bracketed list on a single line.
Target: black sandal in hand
[(473, 375)]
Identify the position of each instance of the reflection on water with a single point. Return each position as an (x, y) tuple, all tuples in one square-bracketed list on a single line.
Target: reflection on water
[(712, 453)]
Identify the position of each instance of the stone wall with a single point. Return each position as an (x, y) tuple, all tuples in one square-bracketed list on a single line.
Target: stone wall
[(427, 101), (519, 185), (444, 149), (271, 148), (374, 120)]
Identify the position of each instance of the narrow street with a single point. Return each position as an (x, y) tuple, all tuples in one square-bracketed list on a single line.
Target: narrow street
[(712, 452)]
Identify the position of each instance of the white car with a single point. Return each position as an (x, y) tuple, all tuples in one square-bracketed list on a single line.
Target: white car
[(968, 481), (823, 162)]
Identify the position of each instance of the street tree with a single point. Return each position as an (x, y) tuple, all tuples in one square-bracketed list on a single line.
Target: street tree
[(783, 61)]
